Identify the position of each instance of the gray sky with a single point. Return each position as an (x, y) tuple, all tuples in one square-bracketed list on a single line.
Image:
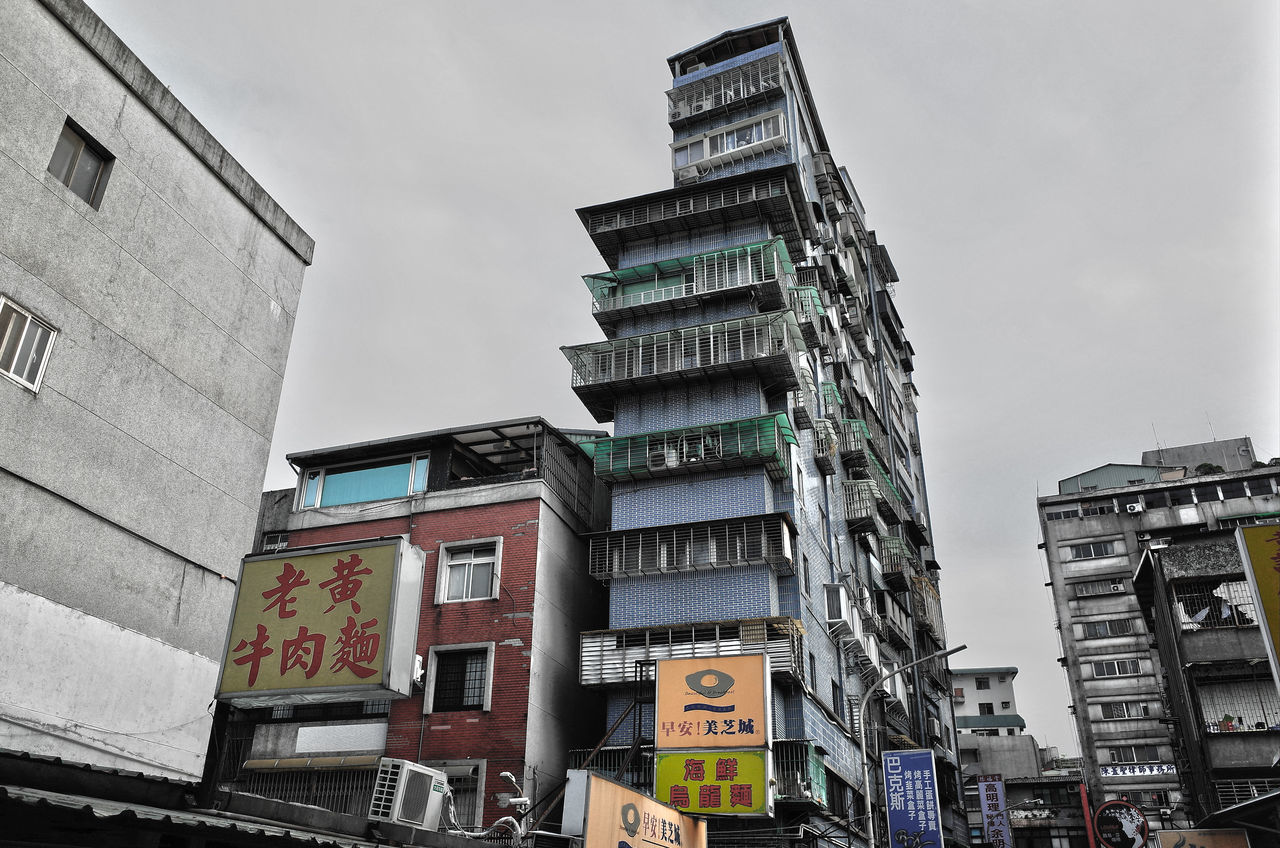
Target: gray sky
[(1082, 200)]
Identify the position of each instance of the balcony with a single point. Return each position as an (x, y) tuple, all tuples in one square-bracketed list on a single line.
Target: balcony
[(696, 450), (799, 772), (855, 443), (832, 401), (804, 399), (774, 195), (759, 346), (862, 510), (898, 563), (896, 619), (609, 657), (760, 270), (890, 502), (826, 445), (730, 89), (928, 607), (806, 303), (758, 540)]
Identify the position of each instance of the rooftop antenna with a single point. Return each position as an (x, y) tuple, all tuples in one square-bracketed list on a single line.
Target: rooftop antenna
[(1212, 436), (1159, 447)]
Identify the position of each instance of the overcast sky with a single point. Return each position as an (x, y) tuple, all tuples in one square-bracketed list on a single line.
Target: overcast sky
[(1081, 198)]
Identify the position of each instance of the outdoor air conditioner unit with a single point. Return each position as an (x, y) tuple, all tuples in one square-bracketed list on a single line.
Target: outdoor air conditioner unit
[(1166, 812), (1134, 507), (933, 726), (408, 794), (839, 609), (696, 66), (688, 174), (660, 459)]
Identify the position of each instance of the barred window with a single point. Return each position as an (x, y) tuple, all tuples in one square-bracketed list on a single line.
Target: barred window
[(1110, 627), (1117, 668), (460, 677)]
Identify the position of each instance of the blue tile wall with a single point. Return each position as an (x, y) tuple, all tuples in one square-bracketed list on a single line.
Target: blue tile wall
[(781, 156), (724, 308), (735, 62), (696, 497), (722, 119), (685, 597), (681, 244), (618, 701), (841, 757), (688, 406)]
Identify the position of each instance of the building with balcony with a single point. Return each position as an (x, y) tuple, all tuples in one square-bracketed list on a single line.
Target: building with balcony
[(1096, 531), (148, 288), (768, 490), (985, 703), (501, 511), (1219, 688)]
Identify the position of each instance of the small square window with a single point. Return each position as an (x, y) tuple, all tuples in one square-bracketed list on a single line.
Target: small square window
[(80, 164), (469, 571), (982, 682), (459, 678), (986, 709), (24, 344)]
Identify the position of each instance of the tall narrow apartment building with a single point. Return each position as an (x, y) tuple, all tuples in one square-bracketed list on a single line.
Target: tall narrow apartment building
[(767, 485), (1097, 531)]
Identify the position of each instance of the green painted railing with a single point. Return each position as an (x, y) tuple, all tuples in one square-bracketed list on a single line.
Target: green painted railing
[(751, 441)]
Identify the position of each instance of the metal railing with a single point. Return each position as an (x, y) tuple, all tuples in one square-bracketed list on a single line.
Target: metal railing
[(928, 608), (346, 791), (897, 559), (862, 511), (609, 656), (855, 443), (804, 403), (689, 349), (798, 771), (1211, 604), (826, 445), (710, 447), (806, 303), (687, 204), (638, 773), (750, 265), (726, 88), (763, 539), (832, 400)]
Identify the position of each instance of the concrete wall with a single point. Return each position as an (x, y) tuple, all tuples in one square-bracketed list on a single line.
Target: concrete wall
[(131, 479)]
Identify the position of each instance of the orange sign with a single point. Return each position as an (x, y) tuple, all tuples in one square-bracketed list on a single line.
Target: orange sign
[(611, 815), (713, 702), (314, 621)]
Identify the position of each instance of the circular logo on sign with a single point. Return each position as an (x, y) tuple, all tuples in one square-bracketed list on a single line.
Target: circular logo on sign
[(719, 685), (630, 819), (1119, 824)]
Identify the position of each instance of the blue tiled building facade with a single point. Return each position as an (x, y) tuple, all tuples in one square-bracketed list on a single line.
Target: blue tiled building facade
[(768, 489)]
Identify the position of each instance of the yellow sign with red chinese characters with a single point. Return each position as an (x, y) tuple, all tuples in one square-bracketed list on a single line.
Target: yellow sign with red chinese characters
[(713, 702), (318, 620), (719, 781)]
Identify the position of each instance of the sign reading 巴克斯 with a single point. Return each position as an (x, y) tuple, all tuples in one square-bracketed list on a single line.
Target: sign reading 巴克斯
[(911, 796)]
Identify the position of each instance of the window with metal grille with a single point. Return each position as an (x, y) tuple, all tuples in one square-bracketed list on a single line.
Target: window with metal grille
[(24, 344), (461, 680), (80, 164), (1126, 709), (1117, 668), (1110, 627)]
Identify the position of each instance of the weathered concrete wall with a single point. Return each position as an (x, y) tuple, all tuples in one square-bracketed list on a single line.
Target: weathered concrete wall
[(131, 480)]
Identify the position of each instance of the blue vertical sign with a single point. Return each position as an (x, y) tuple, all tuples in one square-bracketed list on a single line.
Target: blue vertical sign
[(911, 795)]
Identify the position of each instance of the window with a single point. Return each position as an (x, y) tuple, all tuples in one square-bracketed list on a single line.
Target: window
[(1062, 514), (1099, 587), (1156, 500), (982, 683), (1260, 486), (1206, 494), (726, 140), (1092, 550), (364, 482), (1098, 508), (1134, 754), (459, 677), (275, 541), (1110, 627), (466, 784), (80, 164), (837, 698), (986, 708), (24, 344), (1116, 668), (469, 571), (1126, 709)]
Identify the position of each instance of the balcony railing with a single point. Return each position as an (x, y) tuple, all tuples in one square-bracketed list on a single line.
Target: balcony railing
[(862, 511), (758, 540), (799, 772), (898, 563), (760, 346), (729, 88), (897, 621), (764, 268), (826, 445), (928, 607), (806, 303), (636, 773), (890, 502), (855, 443), (692, 450), (609, 657), (832, 401), (804, 403), (679, 205)]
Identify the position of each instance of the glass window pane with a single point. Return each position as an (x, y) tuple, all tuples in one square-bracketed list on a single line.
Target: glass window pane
[(481, 580), (42, 336), (420, 466), (744, 136), (682, 156), (371, 483), (64, 155), (457, 590), (313, 485), (12, 323), (85, 178), (771, 127), (695, 151), (717, 144)]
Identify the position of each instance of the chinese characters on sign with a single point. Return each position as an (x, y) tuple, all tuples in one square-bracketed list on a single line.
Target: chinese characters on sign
[(995, 819), (1149, 768), (715, 702), (1260, 550), (617, 816), (911, 793), (714, 781), (317, 619)]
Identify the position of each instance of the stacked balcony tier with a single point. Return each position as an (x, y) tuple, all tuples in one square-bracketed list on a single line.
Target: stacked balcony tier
[(898, 563), (761, 347), (611, 657), (692, 450), (700, 546), (728, 90), (760, 271)]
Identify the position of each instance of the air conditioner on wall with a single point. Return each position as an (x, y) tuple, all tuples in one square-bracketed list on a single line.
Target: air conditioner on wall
[(408, 794), (1134, 507), (660, 459), (933, 726)]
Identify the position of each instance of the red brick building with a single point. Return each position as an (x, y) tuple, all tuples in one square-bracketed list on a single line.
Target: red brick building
[(499, 511)]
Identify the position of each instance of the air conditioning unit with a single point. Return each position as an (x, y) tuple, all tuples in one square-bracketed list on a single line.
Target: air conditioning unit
[(696, 66), (660, 459), (1117, 587), (1166, 812), (1134, 507), (688, 174), (934, 727), (676, 114), (1144, 537), (839, 609), (408, 794)]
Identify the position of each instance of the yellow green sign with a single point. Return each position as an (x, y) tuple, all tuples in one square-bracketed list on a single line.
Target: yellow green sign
[(714, 781)]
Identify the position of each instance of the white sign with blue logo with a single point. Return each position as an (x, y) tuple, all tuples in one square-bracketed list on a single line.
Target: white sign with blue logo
[(911, 795)]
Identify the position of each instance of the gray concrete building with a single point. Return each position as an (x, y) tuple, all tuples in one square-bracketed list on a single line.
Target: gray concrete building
[(148, 287), (985, 701), (1096, 531)]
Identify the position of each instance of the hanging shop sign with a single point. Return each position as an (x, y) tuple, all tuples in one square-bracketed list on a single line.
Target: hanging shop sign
[(609, 815), (995, 818), (1120, 824), (911, 798), (713, 702), (715, 781)]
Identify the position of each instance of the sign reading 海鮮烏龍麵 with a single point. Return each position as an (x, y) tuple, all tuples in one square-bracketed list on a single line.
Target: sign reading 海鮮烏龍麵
[(911, 799), (713, 702)]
